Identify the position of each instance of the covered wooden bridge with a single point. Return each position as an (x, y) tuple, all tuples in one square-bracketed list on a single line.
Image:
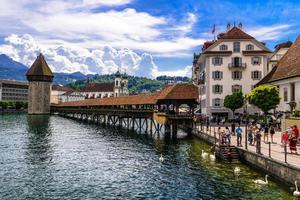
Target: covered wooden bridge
[(157, 112)]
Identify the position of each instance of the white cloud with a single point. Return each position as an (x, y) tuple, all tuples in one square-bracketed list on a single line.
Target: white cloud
[(106, 60), (106, 2), (273, 32), (187, 71)]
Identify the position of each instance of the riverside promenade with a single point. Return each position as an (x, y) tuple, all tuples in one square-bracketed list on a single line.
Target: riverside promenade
[(272, 159)]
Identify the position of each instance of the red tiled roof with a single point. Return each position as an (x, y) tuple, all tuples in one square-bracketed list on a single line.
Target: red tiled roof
[(207, 44), (170, 92), (288, 66), (61, 88), (99, 87), (235, 33)]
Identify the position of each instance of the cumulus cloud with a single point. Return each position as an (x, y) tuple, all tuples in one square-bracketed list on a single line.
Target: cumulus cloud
[(106, 60)]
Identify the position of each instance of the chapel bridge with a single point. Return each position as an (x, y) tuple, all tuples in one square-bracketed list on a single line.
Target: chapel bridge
[(161, 112)]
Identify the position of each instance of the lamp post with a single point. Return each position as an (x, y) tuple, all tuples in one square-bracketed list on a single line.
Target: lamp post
[(246, 126)]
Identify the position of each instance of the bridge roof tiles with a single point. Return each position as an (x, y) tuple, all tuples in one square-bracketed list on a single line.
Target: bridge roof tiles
[(170, 92)]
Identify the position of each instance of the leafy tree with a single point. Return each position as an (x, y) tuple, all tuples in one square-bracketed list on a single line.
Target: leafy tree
[(264, 97), (234, 101)]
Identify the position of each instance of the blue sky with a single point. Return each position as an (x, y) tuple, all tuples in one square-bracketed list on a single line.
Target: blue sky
[(168, 30)]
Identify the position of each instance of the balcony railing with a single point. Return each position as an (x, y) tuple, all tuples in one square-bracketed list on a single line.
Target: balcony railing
[(237, 65), (201, 81)]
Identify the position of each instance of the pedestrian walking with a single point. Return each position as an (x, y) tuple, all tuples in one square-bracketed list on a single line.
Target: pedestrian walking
[(272, 132), (266, 133), (228, 135), (250, 135), (239, 132), (278, 124)]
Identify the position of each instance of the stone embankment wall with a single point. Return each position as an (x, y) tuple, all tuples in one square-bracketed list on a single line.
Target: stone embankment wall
[(282, 171)]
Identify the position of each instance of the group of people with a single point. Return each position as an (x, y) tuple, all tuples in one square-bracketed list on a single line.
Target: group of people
[(290, 137), (255, 132)]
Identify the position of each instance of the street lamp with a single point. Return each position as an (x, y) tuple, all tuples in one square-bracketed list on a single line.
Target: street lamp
[(246, 127)]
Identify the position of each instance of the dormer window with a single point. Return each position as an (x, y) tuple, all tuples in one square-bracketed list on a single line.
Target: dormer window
[(236, 47), (249, 47), (223, 47)]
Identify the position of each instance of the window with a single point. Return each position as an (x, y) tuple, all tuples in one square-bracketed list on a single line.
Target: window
[(236, 62), (256, 75), (256, 60), (117, 83), (216, 102), (217, 60), (292, 91), (236, 88), (236, 47), (285, 94), (237, 75), (217, 89), (223, 47), (249, 47), (217, 75)]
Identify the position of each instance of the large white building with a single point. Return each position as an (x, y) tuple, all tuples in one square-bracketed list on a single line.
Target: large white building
[(12, 90), (234, 62), (102, 90), (286, 75)]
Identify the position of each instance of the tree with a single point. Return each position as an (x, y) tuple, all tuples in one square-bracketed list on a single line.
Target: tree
[(234, 101), (264, 97)]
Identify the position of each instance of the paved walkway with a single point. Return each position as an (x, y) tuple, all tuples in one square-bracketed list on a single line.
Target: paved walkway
[(277, 150)]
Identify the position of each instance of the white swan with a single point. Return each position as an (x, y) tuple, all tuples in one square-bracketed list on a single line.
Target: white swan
[(261, 182), (213, 156), (296, 193), (236, 171), (204, 154), (161, 159)]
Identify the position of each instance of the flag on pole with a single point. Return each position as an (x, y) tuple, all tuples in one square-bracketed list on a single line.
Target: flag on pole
[(213, 29)]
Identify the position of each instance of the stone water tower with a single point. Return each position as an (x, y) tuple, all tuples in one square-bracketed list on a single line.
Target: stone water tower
[(40, 78)]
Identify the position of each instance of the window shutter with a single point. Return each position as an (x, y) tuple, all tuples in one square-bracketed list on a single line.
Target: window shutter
[(241, 87), (241, 75), (221, 88), (221, 75), (240, 61), (232, 75), (213, 60), (213, 89), (213, 75), (259, 60), (259, 75), (252, 75), (232, 89), (213, 102), (221, 60), (252, 60)]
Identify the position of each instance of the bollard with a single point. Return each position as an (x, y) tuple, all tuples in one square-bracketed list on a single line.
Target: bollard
[(270, 149), (285, 154)]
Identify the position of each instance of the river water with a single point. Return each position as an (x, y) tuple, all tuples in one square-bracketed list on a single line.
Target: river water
[(46, 157)]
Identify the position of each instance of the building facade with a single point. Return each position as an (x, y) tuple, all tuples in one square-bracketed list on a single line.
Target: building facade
[(235, 62), (11, 90), (103, 90), (286, 75), (40, 79), (279, 52)]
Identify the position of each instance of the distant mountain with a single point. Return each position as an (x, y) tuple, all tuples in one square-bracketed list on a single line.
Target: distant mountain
[(10, 69)]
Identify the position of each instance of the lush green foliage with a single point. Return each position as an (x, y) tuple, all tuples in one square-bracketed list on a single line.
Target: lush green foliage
[(234, 101), (174, 78), (264, 97), (13, 104), (135, 84)]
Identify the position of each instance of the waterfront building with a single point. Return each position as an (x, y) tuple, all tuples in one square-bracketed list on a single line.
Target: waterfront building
[(71, 96), (280, 50), (234, 62), (286, 75), (103, 90), (40, 79), (61, 93), (11, 90)]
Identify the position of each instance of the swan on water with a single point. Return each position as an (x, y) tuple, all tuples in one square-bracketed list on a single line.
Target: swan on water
[(236, 171), (204, 154), (161, 159), (296, 192), (261, 182), (213, 156)]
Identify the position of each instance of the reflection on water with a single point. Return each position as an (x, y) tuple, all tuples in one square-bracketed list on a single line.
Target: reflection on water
[(48, 157)]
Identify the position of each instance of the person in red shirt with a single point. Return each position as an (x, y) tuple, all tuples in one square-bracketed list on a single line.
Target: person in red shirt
[(296, 132)]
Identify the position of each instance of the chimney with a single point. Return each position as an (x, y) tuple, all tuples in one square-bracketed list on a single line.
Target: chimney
[(228, 26), (241, 26)]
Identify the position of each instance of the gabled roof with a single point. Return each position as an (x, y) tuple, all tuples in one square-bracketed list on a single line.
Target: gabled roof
[(288, 66), (286, 44), (235, 33), (61, 88), (39, 68), (98, 87), (170, 92)]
